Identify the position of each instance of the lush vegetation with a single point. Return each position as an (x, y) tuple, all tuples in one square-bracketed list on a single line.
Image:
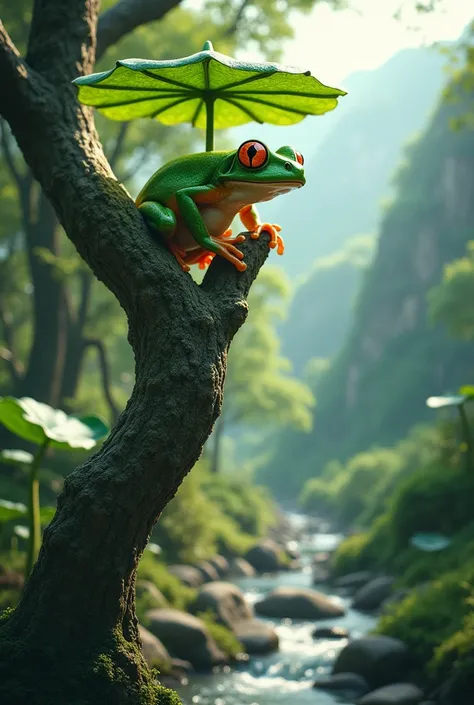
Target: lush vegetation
[(395, 355)]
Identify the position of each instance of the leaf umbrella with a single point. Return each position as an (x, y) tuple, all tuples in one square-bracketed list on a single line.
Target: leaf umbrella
[(209, 90)]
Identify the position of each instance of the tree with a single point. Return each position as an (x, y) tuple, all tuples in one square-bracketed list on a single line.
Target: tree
[(259, 389), (75, 630), (451, 301)]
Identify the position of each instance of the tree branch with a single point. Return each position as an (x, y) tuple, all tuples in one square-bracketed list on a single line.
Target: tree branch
[(62, 39), (9, 159), (105, 374), (126, 16), (9, 355), (238, 16)]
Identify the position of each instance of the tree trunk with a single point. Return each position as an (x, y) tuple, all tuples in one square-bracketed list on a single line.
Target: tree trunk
[(43, 376), (74, 636)]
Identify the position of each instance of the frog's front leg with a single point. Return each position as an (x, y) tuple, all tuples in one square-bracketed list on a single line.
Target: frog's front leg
[(193, 219), (162, 220), (251, 220)]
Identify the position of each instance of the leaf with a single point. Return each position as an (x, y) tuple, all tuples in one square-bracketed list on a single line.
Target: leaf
[(179, 90), (35, 422), (430, 542), (16, 457), (11, 510), (46, 515), (446, 400), (22, 531), (468, 391)]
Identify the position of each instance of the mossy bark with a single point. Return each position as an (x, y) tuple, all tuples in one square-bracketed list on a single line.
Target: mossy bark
[(74, 636)]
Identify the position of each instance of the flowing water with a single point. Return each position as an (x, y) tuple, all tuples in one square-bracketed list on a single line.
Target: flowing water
[(285, 677)]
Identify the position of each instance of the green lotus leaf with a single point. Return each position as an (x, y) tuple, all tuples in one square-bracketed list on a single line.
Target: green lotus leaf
[(468, 391), (16, 457), (207, 86), (446, 400), (22, 531), (37, 422), (11, 510), (15, 510)]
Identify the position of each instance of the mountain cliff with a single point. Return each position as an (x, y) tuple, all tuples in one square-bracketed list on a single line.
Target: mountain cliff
[(349, 173), (394, 358)]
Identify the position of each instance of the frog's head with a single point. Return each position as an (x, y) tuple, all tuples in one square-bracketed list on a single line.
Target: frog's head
[(254, 163)]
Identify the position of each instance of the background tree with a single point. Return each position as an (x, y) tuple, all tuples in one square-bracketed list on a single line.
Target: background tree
[(260, 391)]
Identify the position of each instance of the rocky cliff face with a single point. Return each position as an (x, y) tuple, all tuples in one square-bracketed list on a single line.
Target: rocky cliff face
[(394, 357)]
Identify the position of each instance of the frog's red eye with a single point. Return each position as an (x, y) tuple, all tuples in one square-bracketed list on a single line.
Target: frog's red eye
[(252, 154), (299, 158)]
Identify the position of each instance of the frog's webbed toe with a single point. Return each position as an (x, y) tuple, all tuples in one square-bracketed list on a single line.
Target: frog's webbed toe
[(272, 230)]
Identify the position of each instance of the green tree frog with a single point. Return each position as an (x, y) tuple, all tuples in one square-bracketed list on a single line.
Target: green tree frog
[(192, 201)]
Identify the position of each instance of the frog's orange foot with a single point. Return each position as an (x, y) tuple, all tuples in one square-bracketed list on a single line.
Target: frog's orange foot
[(205, 260), (280, 245), (180, 255), (228, 239), (226, 249), (272, 230)]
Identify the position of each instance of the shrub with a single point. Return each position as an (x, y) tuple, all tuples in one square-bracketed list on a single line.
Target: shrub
[(430, 615), (177, 594)]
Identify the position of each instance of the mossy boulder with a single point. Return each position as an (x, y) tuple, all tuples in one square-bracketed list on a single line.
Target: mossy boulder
[(380, 660), (298, 603), (186, 637)]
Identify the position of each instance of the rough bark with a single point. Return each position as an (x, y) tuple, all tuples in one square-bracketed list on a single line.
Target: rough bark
[(75, 629)]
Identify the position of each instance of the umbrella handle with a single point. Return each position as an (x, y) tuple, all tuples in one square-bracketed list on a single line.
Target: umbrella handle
[(209, 125)]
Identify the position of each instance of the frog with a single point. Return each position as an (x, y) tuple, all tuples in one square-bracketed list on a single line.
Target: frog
[(191, 202)]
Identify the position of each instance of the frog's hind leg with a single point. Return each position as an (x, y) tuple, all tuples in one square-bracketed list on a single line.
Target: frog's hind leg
[(251, 220), (162, 222)]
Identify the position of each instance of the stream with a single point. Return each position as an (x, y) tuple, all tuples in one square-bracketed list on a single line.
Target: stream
[(285, 677)]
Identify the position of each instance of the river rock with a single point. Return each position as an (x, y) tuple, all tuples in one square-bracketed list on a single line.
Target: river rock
[(354, 581), (320, 575), (240, 568), (298, 603), (265, 557), (188, 574), (395, 694), (225, 600), (208, 572), (154, 598), (348, 683), (371, 596), (156, 655), (379, 659), (330, 633), (221, 565), (256, 636), (186, 637)]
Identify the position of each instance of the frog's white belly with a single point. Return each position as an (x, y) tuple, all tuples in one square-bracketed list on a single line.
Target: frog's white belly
[(218, 217)]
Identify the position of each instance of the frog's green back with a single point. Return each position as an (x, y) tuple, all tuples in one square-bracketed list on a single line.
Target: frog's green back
[(191, 170)]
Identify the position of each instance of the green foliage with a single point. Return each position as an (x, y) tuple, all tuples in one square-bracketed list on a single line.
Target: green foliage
[(38, 423), (359, 491), (212, 514), (454, 661), (431, 615), (450, 301), (393, 358), (248, 505), (177, 594), (223, 636), (259, 389)]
